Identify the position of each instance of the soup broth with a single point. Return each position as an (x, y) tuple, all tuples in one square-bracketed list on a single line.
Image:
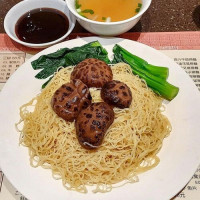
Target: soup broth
[(108, 10)]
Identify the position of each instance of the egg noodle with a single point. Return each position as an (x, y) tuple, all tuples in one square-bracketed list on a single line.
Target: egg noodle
[(129, 147)]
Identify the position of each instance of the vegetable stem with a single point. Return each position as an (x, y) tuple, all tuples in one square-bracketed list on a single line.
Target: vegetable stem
[(147, 72), (158, 71)]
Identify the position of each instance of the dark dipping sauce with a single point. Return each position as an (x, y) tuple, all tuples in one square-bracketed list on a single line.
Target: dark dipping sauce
[(41, 25)]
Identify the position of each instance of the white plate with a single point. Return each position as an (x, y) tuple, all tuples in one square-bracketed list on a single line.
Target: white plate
[(180, 154)]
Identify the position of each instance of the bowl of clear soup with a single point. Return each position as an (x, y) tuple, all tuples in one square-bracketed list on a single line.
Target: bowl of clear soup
[(108, 18)]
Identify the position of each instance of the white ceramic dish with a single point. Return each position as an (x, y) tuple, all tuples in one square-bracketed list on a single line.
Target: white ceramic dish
[(108, 28), (180, 154), (24, 6)]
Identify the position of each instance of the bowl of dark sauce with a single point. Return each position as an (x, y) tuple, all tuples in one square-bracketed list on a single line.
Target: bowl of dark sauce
[(39, 24)]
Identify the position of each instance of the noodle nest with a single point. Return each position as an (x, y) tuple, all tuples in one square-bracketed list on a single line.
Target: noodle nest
[(129, 147)]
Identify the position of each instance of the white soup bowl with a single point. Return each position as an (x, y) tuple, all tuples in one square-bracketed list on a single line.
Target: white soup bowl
[(108, 28)]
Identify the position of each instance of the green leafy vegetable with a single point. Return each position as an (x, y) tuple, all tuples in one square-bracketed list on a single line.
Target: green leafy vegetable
[(51, 68), (137, 10), (50, 63), (49, 60), (158, 71), (77, 4), (80, 13), (158, 84), (162, 72), (88, 11), (155, 76), (104, 18)]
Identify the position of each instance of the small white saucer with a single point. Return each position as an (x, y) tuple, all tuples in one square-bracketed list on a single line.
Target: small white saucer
[(24, 6)]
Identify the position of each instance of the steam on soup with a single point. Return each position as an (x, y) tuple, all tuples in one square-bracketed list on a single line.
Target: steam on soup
[(108, 10)]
